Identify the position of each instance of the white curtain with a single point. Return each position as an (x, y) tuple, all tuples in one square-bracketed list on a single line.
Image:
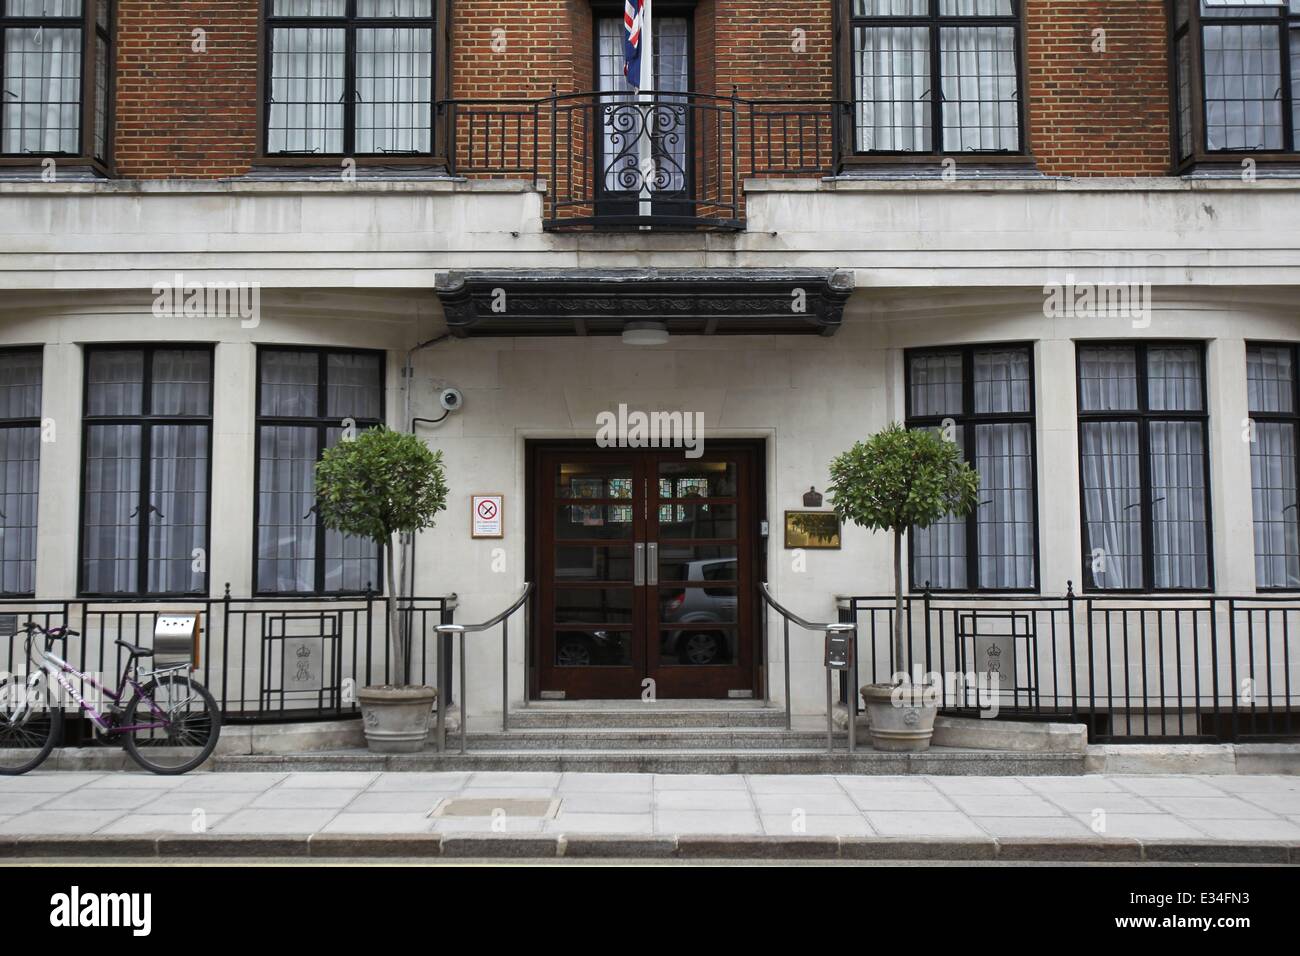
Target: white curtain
[(286, 523), (110, 536), (20, 450), (394, 90), (1005, 518), (1273, 486), (307, 86), (980, 88), (939, 551), (893, 88), (1243, 81), (1112, 502), (1178, 505), (178, 491), (42, 89)]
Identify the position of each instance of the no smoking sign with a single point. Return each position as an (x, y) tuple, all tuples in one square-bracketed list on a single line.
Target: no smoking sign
[(486, 516)]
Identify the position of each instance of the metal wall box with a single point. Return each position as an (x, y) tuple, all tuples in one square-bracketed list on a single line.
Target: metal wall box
[(839, 650), (176, 637)]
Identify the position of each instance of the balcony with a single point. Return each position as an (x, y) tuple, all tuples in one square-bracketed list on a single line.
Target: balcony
[(661, 161)]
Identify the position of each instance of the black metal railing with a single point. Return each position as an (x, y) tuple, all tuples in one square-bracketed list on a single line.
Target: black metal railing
[(264, 659), (1132, 668), (674, 160)]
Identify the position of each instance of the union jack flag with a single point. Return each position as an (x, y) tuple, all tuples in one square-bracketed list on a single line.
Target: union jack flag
[(632, 17)]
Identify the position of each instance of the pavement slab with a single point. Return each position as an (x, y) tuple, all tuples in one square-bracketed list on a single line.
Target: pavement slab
[(1093, 818)]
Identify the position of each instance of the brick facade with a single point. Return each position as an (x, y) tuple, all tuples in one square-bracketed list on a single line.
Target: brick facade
[(184, 114), (180, 113), (1103, 113)]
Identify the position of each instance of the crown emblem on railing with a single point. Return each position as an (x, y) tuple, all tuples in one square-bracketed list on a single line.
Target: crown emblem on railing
[(304, 650), (995, 650)]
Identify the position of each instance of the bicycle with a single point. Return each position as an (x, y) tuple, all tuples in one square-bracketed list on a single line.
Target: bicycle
[(169, 726)]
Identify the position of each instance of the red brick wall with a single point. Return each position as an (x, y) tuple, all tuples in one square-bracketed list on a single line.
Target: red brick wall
[(182, 114), (755, 48), (1098, 113)]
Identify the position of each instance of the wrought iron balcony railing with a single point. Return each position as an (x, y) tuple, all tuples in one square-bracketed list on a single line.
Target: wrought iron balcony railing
[(665, 160)]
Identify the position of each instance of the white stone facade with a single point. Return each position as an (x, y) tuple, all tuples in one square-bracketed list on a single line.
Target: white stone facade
[(353, 265)]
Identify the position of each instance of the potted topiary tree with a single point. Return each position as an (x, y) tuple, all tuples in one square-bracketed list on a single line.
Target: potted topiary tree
[(899, 479), (377, 485)]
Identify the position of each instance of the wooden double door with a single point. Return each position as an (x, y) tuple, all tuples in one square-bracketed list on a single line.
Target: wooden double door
[(645, 562)]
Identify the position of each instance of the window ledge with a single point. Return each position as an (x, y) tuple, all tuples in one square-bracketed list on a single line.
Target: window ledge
[(330, 184), (1130, 184)]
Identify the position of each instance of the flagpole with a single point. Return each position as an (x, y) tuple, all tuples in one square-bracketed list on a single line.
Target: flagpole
[(645, 147)]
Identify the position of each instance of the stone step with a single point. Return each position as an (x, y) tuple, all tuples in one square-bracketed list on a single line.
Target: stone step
[(649, 738), (538, 715), (936, 761)]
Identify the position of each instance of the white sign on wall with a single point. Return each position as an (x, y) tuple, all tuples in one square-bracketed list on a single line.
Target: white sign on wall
[(487, 516)]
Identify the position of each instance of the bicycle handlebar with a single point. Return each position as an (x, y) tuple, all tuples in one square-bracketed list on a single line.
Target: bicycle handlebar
[(53, 633)]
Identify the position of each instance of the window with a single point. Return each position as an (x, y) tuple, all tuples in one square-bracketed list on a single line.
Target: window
[(47, 49), (350, 77), (20, 465), (1275, 411), (1246, 97), (146, 481), (1144, 468), (306, 398), (935, 76), (983, 398), (672, 72)]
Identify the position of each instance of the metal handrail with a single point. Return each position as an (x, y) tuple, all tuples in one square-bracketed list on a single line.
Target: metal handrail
[(462, 630), (837, 628)]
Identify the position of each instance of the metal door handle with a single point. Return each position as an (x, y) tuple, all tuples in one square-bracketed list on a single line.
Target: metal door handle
[(652, 559), (638, 564)]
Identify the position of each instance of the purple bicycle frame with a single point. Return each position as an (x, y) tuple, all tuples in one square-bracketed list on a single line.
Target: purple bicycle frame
[(61, 667)]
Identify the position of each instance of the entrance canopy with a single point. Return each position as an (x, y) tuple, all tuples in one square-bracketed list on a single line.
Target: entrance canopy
[(557, 302)]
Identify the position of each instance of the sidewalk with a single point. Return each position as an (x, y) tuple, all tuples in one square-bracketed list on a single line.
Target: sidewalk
[(1229, 818)]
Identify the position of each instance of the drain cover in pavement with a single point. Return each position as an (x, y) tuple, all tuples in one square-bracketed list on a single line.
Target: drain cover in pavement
[(489, 806)]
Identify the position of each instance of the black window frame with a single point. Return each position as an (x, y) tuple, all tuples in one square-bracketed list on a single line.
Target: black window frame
[(89, 25), (322, 423), (439, 25), (147, 420), (1143, 416), (1193, 33), (846, 69), (1291, 418), (33, 422), (967, 421)]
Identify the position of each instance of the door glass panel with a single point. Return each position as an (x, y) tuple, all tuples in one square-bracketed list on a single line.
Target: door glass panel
[(697, 563), (697, 521), (706, 479), (597, 647), (697, 606), (593, 563), (583, 479), (697, 646), (593, 521), (594, 605)]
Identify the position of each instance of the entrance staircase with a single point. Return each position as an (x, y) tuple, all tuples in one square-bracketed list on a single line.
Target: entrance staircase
[(664, 737)]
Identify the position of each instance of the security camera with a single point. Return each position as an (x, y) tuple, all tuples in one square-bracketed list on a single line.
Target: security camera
[(451, 399)]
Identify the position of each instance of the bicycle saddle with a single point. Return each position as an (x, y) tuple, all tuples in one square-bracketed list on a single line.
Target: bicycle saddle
[(135, 651)]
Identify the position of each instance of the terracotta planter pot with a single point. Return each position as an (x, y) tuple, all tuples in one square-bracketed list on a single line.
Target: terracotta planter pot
[(396, 719), (901, 719)]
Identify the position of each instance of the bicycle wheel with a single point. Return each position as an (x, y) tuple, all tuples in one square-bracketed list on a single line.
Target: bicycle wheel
[(190, 719), (31, 722)]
